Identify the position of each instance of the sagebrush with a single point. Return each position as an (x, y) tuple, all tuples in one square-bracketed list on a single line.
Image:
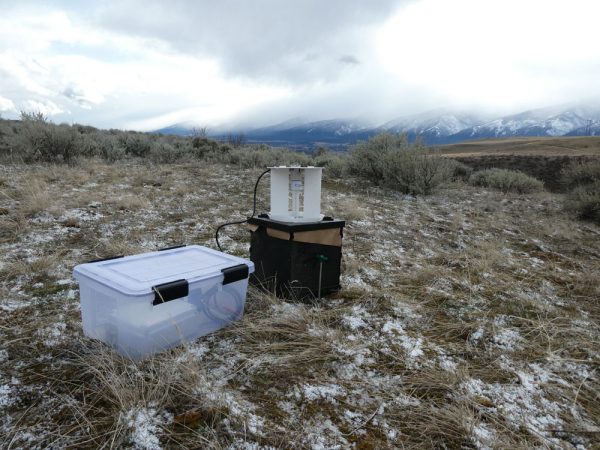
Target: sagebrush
[(506, 181), (38, 140), (580, 173), (584, 202), (388, 159), (35, 139)]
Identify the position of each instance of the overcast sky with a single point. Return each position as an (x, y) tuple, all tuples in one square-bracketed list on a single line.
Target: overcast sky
[(145, 64)]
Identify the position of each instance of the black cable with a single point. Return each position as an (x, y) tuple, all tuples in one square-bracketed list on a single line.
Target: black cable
[(238, 222)]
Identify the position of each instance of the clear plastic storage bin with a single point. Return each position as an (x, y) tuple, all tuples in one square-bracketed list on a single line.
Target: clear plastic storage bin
[(143, 304)]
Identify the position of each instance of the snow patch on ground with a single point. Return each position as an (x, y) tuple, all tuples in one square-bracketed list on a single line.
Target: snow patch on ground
[(508, 339), (327, 392), (355, 281), (198, 350), (325, 435), (356, 320), (483, 436), (7, 397), (413, 346), (476, 336), (521, 405), (447, 363), (145, 425), (216, 393), (10, 305), (53, 334)]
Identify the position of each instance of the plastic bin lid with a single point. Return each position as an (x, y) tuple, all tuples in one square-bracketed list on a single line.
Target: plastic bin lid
[(136, 275)]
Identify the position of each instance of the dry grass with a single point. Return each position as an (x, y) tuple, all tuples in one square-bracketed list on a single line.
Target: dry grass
[(279, 346), (12, 226), (469, 319), (128, 203), (35, 198), (546, 146), (351, 209)]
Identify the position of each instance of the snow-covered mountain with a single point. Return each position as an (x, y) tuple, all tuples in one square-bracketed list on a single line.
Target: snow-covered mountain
[(433, 126), (439, 126), (179, 129), (335, 127), (555, 121), (338, 132)]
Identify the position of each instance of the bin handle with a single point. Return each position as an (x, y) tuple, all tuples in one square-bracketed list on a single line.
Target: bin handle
[(170, 291), (235, 273)]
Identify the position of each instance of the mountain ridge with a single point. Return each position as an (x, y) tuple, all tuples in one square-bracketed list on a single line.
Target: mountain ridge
[(435, 127)]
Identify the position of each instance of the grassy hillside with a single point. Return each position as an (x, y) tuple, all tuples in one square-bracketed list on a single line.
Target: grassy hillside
[(542, 158), (549, 146), (467, 319)]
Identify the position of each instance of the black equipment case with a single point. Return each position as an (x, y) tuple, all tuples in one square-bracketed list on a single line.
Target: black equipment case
[(292, 257)]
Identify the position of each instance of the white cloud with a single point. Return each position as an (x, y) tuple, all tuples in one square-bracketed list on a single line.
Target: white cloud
[(280, 41), (57, 67), (7, 105), (144, 64), (498, 53), (47, 107)]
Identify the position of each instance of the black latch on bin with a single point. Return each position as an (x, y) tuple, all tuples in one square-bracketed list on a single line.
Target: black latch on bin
[(234, 273), (170, 291)]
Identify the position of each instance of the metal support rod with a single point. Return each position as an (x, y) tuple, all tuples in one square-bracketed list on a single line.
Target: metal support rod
[(321, 259), (320, 277)]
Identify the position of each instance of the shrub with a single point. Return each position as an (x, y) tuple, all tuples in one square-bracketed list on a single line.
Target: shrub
[(39, 140), (136, 145), (163, 152), (200, 141), (367, 159), (416, 171), (506, 181), (6, 135), (387, 159), (201, 147), (110, 150), (34, 139), (481, 178), (320, 151), (85, 129), (584, 201), (261, 156), (335, 168), (101, 145), (334, 165), (580, 173), (461, 171)]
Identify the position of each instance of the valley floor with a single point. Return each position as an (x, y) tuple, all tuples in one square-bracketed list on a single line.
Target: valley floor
[(467, 319)]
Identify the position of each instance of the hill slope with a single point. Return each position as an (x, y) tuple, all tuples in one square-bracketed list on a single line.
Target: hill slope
[(547, 146), (541, 157)]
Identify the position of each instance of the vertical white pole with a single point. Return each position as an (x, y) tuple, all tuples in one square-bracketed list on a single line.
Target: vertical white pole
[(312, 192), (280, 186)]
